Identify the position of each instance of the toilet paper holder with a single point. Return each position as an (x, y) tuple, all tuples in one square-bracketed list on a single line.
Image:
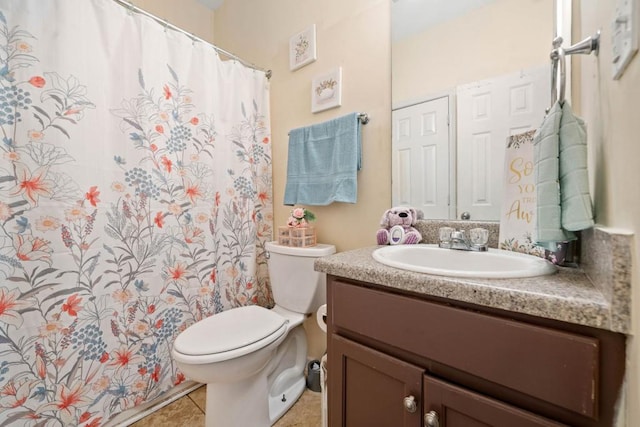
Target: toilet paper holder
[(321, 317)]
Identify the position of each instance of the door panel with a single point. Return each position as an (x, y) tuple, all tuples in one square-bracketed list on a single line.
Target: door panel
[(421, 157), (488, 112)]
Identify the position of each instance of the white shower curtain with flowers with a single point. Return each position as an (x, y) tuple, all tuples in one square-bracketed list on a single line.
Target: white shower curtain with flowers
[(135, 199)]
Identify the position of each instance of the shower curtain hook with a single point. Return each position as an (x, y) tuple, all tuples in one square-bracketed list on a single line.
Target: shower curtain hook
[(131, 7)]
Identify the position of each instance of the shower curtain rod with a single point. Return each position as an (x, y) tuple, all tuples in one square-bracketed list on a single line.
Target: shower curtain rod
[(132, 7)]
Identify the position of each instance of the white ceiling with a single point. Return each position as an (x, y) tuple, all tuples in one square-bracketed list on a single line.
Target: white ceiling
[(413, 16)]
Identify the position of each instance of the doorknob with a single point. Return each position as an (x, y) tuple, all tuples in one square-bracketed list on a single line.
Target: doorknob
[(410, 404), (465, 216), (431, 419)]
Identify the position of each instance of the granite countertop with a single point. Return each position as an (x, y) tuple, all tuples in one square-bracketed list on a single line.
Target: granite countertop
[(568, 296)]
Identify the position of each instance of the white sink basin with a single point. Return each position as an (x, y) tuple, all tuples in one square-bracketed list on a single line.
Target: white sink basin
[(494, 263)]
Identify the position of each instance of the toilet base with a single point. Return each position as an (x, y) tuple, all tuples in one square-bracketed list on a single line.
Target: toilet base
[(227, 403), (257, 400), (278, 407)]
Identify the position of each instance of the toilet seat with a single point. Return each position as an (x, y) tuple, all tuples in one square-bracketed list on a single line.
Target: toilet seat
[(230, 334)]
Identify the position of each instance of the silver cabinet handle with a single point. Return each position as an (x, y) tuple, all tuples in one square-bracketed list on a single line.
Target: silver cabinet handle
[(410, 404), (431, 419), (465, 216)]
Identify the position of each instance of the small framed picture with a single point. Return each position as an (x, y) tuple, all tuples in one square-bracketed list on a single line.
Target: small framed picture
[(326, 90), (302, 48)]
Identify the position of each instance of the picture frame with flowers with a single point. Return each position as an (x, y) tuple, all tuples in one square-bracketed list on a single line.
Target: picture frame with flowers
[(302, 48), (326, 90)]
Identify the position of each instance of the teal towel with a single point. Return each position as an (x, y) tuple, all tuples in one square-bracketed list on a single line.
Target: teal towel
[(577, 212), (323, 162), (562, 187)]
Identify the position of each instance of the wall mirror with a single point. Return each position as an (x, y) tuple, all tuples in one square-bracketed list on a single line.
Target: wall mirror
[(466, 74)]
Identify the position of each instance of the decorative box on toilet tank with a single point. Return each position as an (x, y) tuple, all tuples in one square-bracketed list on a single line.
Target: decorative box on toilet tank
[(299, 237)]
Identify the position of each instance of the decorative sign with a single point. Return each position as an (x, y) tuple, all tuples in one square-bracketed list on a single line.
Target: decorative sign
[(302, 48), (517, 220), (326, 90)]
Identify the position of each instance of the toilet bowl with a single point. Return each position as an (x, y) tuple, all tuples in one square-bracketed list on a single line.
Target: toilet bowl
[(252, 358)]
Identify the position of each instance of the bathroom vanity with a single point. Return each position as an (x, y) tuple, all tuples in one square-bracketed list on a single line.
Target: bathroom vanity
[(411, 349)]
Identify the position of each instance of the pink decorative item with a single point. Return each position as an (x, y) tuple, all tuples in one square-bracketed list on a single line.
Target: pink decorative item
[(298, 232)]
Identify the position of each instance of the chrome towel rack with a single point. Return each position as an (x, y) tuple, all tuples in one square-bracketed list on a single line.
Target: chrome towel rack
[(558, 54), (362, 117)]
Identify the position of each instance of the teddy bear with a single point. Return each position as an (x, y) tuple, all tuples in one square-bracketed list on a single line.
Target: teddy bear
[(403, 216)]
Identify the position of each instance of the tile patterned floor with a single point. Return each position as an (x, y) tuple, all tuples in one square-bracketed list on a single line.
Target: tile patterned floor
[(189, 411)]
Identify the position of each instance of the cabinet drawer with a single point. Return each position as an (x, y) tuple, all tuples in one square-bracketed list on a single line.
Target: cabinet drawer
[(550, 365)]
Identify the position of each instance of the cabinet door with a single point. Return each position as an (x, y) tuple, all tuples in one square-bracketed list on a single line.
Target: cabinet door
[(459, 407), (368, 388)]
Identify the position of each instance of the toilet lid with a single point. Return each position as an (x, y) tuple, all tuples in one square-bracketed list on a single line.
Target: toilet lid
[(229, 330)]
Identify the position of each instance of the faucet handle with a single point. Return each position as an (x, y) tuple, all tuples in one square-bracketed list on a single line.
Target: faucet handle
[(479, 236), (444, 234)]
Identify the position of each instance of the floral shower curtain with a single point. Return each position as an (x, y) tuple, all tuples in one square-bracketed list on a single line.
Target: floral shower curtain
[(135, 199)]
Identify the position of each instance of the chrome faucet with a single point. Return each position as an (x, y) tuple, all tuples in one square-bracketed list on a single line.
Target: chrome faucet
[(457, 239)]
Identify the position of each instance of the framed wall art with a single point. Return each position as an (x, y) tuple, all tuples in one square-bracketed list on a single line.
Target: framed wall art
[(326, 90), (302, 48)]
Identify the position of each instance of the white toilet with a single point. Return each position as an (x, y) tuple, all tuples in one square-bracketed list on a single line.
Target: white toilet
[(252, 358)]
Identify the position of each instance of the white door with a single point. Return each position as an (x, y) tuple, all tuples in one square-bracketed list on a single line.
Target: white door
[(420, 157), (488, 112)]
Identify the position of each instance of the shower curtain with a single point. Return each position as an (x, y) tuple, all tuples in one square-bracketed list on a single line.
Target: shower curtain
[(135, 199)]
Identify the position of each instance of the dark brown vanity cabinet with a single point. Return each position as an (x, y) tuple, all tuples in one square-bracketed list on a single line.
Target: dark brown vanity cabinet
[(405, 360)]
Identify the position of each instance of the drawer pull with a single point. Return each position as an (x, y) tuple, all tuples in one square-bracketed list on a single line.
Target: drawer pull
[(410, 404), (431, 419)]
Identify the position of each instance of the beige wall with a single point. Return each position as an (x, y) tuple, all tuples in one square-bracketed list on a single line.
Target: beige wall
[(612, 112), (189, 15), (354, 35), (499, 38)]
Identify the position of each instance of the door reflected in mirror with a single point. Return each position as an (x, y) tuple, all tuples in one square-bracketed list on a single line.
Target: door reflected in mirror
[(466, 75)]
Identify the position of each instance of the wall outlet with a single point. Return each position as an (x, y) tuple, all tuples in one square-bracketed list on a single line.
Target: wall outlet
[(624, 34)]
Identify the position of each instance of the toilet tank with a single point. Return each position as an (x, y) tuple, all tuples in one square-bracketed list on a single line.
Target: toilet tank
[(294, 283)]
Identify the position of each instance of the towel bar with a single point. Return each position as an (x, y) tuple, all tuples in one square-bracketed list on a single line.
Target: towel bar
[(363, 117), (558, 54)]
